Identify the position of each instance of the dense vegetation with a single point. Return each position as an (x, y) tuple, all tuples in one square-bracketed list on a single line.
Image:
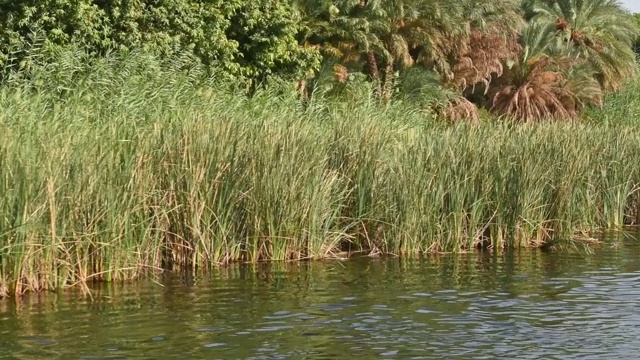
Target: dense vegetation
[(527, 59), (130, 169), (142, 135)]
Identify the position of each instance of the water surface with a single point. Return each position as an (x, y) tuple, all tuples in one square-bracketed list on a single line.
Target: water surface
[(522, 305)]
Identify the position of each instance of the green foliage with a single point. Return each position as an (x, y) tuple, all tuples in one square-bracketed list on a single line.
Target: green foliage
[(599, 32), (62, 20), (266, 33), (127, 164), (235, 37), (473, 46), (574, 53), (128, 143)]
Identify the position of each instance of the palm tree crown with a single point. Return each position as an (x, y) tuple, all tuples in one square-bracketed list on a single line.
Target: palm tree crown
[(599, 32)]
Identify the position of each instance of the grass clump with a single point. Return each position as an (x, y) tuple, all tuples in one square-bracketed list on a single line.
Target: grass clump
[(137, 165)]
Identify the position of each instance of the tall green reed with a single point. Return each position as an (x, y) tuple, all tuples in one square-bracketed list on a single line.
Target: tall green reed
[(130, 165)]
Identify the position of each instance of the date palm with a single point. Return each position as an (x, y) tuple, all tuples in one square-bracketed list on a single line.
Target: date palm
[(492, 40), (344, 32), (337, 29), (544, 84), (600, 32), (387, 34), (423, 32)]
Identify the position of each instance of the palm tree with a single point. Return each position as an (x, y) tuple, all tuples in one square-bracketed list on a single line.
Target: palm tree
[(493, 39), (599, 31), (343, 31), (423, 32), (544, 84), (431, 29), (486, 38), (387, 34)]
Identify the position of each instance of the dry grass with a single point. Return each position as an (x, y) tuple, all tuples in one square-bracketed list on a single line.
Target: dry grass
[(459, 110)]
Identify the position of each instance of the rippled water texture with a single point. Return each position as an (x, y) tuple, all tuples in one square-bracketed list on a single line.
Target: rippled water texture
[(527, 305)]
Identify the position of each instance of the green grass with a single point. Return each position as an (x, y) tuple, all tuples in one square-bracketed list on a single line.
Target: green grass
[(108, 174)]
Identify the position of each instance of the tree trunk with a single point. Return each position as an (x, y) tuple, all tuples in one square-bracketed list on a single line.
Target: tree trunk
[(375, 73), (301, 89), (388, 82)]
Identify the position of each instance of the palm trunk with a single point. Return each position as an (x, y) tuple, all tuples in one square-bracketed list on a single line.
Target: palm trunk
[(388, 82), (375, 73), (301, 89)]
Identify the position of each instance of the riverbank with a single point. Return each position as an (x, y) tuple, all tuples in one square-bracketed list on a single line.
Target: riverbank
[(375, 306), (110, 174)]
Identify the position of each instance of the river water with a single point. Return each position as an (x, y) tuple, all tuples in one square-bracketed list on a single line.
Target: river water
[(520, 305)]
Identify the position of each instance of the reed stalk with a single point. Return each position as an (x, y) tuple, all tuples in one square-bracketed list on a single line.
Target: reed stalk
[(108, 174)]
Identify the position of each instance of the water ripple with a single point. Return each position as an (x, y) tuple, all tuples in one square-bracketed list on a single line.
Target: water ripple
[(541, 306)]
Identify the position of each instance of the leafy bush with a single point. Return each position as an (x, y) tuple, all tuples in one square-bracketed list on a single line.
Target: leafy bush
[(243, 39)]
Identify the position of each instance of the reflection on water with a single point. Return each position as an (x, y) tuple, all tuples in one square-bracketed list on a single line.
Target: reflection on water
[(525, 305)]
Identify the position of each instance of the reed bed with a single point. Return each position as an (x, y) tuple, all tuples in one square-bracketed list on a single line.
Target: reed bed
[(130, 167)]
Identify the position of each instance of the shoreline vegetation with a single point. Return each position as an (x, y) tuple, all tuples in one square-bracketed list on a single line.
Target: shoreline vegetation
[(131, 171), (117, 163)]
